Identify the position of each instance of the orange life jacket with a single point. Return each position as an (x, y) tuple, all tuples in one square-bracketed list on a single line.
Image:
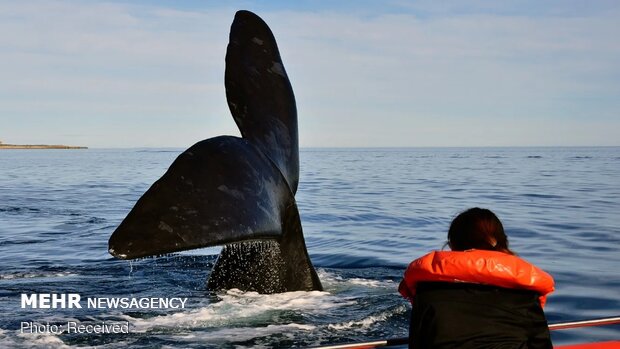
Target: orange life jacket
[(478, 267)]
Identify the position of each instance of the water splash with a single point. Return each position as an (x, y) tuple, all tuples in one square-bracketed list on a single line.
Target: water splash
[(250, 265)]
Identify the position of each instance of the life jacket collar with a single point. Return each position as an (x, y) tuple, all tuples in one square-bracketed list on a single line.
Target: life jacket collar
[(479, 267)]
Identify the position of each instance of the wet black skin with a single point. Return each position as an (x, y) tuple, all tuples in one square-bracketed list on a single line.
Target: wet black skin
[(237, 192)]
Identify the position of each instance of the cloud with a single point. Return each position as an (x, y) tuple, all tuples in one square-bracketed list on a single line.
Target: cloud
[(94, 63), (402, 72), (420, 76)]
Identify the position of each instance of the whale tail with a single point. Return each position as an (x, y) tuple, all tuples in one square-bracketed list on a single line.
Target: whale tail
[(259, 94), (237, 192)]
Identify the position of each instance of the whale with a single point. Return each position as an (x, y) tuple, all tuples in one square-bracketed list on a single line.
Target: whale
[(235, 192)]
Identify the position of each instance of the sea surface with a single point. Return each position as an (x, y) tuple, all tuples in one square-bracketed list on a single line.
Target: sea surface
[(366, 213)]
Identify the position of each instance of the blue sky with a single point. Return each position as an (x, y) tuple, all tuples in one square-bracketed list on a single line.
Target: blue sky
[(365, 73)]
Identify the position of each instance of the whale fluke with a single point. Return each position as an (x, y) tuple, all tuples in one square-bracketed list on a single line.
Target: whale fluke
[(237, 192), (257, 85)]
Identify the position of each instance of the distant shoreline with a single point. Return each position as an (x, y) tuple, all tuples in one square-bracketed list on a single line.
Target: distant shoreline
[(38, 146)]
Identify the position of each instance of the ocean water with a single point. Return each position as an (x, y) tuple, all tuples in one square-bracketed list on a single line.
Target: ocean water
[(366, 214)]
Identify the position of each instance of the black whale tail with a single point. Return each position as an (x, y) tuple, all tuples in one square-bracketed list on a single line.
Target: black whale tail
[(232, 191), (259, 94), (267, 266)]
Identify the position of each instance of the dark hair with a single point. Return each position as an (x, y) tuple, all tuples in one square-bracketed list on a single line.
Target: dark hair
[(477, 228)]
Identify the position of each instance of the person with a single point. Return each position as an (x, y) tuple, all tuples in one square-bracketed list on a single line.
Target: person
[(478, 295)]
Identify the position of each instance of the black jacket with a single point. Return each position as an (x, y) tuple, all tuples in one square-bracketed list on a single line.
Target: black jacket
[(459, 315)]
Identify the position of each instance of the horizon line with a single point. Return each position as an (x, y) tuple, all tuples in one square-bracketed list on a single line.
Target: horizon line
[(390, 147)]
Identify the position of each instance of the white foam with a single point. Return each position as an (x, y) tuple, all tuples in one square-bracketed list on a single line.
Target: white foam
[(367, 322), (239, 308), (361, 324), (241, 334), (371, 283), (336, 281), (15, 339), (19, 275)]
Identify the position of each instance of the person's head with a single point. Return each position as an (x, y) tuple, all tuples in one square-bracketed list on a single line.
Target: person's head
[(477, 228)]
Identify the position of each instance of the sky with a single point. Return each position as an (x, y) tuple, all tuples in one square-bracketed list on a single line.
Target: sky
[(394, 73)]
